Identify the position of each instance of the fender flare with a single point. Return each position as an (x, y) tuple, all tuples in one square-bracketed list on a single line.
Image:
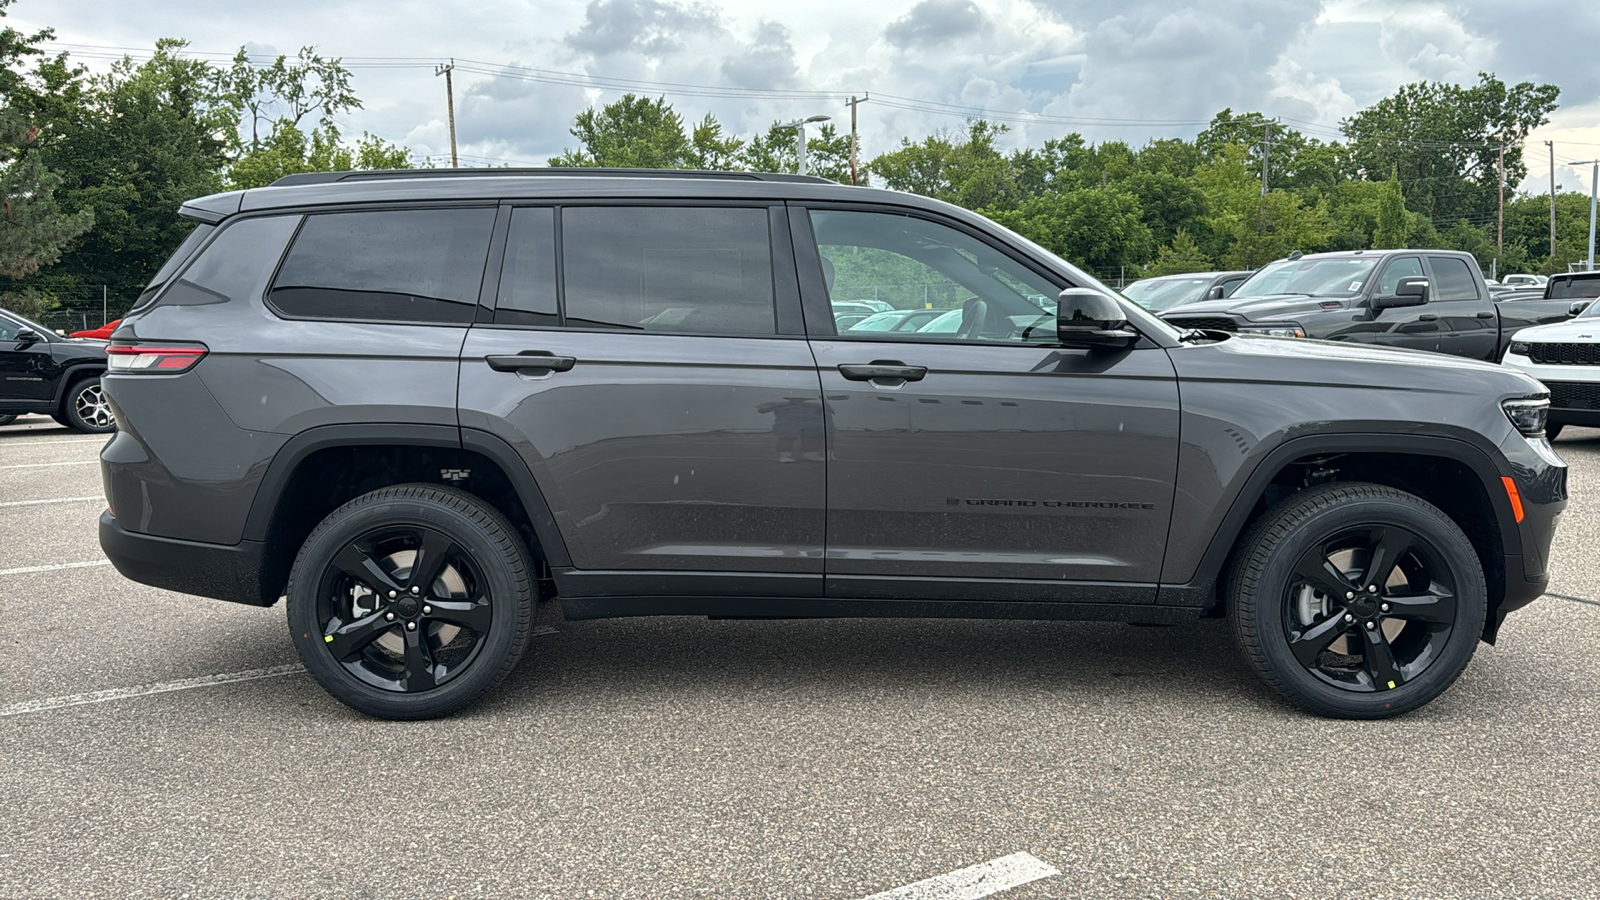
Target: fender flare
[(71, 375)]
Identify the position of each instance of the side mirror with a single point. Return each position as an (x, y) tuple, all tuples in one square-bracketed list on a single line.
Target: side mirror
[(1578, 306), (1217, 293), (28, 336), (1411, 291), (1088, 318)]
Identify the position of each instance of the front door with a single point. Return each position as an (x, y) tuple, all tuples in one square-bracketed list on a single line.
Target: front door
[(978, 448), (25, 368), (668, 423)]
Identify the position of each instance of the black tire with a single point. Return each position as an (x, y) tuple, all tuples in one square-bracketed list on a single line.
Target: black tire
[(85, 408), (1300, 598), (340, 622), (1551, 432)]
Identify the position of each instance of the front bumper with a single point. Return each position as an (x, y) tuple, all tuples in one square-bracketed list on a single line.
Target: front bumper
[(220, 571), (1574, 390)]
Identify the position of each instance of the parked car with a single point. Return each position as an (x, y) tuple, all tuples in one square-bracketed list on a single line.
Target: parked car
[(1419, 299), (1535, 281), (103, 333), (1163, 292), (896, 320), (44, 372), (379, 395), (1565, 357), (1573, 286)]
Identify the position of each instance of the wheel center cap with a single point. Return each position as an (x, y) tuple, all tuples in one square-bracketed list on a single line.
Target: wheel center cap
[(1364, 606), (408, 606)]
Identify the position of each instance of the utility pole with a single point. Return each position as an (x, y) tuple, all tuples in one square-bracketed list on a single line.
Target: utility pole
[(1500, 229), (1552, 146), (854, 102), (1266, 150), (450, 104)]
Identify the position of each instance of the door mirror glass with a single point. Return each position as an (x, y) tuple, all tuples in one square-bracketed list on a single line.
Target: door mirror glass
[(1411, 291), (1088, 318)]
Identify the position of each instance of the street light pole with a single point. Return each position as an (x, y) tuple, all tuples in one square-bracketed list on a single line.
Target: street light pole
[(799, 126)]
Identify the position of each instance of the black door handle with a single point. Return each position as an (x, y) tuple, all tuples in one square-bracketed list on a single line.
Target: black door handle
[(1427, 317), (883, 369), (531, 359), (1486, 315)]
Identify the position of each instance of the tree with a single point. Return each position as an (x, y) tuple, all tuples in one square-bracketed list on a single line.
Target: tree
[(1170, 204), (1393, 225), (1444, 142), (633, 132), (1103, 230), (1244, 228), (289, 150), (710, 148), (1182, 256), (286, 91), (972, 173)]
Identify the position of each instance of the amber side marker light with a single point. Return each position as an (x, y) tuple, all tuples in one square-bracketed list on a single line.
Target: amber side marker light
[(1513, 496)]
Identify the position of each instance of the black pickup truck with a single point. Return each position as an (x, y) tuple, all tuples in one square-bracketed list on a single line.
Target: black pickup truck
[(1421, 299)]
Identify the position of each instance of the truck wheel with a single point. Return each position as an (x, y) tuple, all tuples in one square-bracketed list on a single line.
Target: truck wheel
[(411, 601), (1356, 600), (86, 408)]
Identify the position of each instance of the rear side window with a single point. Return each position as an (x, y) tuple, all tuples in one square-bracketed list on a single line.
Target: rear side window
[(668, 269), (528, 275), (1452, 280), (414, 265), (235, 266), (177, 259)]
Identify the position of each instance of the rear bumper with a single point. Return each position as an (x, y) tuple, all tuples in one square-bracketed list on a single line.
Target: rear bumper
[(219, 571)]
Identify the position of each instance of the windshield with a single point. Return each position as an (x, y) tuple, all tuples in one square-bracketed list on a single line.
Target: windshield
[(1335, 277), (1157, 294)]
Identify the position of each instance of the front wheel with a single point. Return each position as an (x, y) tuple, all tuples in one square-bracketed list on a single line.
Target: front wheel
[(1357, 600), (87, 408), (410, 602)]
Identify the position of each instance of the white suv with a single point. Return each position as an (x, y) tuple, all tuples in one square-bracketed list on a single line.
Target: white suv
[(1566, 357)]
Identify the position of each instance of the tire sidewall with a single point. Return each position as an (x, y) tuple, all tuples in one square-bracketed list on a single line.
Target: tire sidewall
[(500, 648), (1426, 522)]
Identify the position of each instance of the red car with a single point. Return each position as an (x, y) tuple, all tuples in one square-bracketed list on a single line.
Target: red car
[(102, 333)]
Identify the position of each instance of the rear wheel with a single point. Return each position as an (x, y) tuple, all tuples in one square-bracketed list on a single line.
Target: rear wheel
[(87, 409), (411, 601), (1357, 600)]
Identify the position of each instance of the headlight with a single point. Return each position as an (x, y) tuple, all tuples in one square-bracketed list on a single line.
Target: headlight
[(1285, 330), (1528, 414), (1520, 348)]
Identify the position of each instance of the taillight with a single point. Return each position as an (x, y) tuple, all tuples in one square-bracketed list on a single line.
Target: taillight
[(153, 359)]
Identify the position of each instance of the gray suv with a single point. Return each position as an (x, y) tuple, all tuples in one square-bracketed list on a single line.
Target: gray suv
[(418, 404)]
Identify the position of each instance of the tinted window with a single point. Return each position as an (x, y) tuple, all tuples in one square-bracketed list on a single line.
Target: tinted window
[(528, 276), (981, 293), (693, 270), (1405, 267), (419, 265), (235, 266), (178, 258), (1452, 280), (1566, 287)]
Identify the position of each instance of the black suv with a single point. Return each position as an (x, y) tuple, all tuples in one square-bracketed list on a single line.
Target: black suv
[(43, 372), (417, 403)]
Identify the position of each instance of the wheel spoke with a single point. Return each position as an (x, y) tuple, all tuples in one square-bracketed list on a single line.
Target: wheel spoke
[(1436, 607), (1392, 544), (466, 613), (433, 552), (356, 562), (419, 662), (349, 640), (1308, 645), (1315, 569), (1380, 662)]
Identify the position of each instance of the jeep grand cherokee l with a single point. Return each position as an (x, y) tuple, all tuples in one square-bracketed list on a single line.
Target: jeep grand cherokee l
[(415, 404)]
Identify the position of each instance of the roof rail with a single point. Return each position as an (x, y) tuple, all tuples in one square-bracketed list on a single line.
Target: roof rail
[(387, 174)]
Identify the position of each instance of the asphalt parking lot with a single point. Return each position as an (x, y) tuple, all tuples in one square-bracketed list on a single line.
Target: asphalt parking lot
[(829, 759)]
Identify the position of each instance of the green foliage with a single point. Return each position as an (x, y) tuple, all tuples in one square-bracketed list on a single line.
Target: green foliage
[(634, 132), (294, 89), (1100, 229), (1392, 228), (288, 150), (968, 171), (1180, 257)]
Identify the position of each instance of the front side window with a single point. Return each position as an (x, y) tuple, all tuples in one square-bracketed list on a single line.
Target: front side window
[(1452, 280), (1404, 267), (975, 292), (688, 270), (413, 265)]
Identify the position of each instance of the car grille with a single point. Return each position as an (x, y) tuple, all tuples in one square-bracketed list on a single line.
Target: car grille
[(1573, 395), (1207, 322), (1565, 354)]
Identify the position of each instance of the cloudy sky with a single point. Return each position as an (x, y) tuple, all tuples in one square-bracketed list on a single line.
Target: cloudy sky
[(1110, 69)]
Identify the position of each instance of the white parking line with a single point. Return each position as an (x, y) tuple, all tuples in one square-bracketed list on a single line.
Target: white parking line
[(51, 500), (82, 462), (144, 690), (21, 443), (77, 565), (974, 882)]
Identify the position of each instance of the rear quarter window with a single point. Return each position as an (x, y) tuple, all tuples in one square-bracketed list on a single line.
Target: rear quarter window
[(413, 265), (235, 266)]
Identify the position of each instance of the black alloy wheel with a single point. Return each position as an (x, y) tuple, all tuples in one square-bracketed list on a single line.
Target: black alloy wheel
[(1357, 600), (410, 602)]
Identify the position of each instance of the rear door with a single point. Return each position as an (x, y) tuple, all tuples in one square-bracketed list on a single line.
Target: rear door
[(649, 365)]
